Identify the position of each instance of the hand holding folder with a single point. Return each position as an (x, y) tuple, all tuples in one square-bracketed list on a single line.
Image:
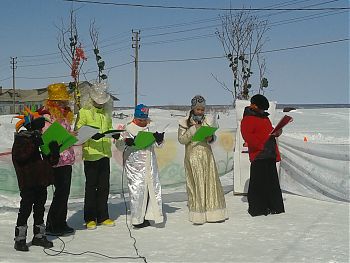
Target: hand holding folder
[(144, 139), (203, 132), (56, 132), (283, 122), (86, 132)]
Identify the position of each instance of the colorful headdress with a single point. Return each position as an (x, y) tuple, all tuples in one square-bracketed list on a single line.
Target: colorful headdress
[(28, 117)]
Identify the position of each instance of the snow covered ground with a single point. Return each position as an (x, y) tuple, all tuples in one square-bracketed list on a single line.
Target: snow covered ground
[(310, 230)]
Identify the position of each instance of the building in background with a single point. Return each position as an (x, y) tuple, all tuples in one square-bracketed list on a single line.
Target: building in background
[(32, 98)]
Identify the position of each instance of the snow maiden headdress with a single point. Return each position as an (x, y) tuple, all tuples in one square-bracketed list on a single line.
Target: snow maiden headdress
[(197, 101)]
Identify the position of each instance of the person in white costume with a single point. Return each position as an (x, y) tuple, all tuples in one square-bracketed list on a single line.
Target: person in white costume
[(141, 170)]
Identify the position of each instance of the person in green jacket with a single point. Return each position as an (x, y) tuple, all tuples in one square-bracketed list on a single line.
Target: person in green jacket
[(96, 155)]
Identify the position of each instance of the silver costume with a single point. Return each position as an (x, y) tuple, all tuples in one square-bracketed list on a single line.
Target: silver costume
[(141, 170)]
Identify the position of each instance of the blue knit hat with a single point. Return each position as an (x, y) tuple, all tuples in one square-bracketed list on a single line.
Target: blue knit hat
[(141, 111)]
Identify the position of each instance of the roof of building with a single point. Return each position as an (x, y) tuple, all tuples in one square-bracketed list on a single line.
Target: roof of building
[(32, 95)]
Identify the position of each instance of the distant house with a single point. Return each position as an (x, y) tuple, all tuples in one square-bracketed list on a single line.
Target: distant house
[(34, 98), (21, 95)]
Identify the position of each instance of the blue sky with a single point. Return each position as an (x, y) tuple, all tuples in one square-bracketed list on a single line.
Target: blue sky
[(318, 74)]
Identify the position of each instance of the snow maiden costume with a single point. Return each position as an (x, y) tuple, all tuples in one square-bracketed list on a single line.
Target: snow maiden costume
[(206, 200), (264, 192), (141, 170)]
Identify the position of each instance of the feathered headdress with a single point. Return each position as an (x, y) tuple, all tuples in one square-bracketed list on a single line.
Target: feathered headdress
[(28, 117)]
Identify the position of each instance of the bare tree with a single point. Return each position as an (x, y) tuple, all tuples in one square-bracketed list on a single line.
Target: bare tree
[(94, 35), (72, 52), (224, 86), (242, 36), (264, 83)]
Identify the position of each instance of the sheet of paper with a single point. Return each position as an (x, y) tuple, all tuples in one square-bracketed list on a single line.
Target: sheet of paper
[(85, 133)]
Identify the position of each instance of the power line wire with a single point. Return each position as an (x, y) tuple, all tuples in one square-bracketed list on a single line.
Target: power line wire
[(306, 45), (273, 24), (40, 55), (174, 40), (196, 59), (206, 8), (5, 78), (308, 6), (64, 76), (42, 64), (277, 23), (288, 3), (267, 51), (201, 21)]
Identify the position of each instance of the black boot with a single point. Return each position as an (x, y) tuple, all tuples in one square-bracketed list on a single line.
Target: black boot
[(39, 238), (142, 225), (53, 231), (67, 229), (61, 230), (20, 238)]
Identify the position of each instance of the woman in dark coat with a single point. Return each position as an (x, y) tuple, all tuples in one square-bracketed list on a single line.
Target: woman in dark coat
[(264, 192)]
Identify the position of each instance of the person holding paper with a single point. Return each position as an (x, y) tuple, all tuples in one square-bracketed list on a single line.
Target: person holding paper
[(264, 192), (206, 200), (59, 111), (96, 112), (34, 173), (141, 169)]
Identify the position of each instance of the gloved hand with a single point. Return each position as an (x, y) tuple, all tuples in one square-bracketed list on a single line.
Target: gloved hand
[(159, 136), (129, 141), (97, 136), (116, 136), (54, 148), (54, 155), (37, 140)]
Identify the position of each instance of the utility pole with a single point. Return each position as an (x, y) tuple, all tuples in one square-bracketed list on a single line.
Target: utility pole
[(136, 46), (13, 67)]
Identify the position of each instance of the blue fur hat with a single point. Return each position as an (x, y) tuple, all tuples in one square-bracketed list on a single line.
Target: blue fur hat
[(141, 111)]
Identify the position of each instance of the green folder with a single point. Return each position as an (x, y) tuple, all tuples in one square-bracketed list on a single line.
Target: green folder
[(144, 139), (203, 132), (56, 132)]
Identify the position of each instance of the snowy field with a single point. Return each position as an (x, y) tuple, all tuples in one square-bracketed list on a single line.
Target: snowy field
[(311, 230)]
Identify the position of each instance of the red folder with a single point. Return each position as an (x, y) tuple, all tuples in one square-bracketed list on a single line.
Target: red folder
[(283, 122)]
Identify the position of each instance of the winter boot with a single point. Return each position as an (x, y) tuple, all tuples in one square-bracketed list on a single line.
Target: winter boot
[(145, 223), (20, 238), (39, 238)]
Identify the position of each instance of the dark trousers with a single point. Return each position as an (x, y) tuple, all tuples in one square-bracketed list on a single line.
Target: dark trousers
[(97, 175), (33, 198), (264, 192), (57, 216)]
